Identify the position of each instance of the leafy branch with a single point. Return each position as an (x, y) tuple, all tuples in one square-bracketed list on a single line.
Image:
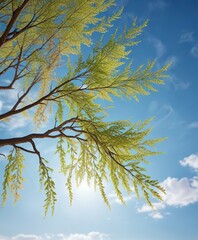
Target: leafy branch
[(35, 43)]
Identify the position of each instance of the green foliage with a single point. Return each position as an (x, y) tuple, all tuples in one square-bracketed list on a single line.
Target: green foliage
[(13, 180), (41, 41), (49, 186), (105, 156)]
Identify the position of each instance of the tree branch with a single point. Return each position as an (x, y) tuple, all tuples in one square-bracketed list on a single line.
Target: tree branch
[(15, 111), (13, 19), (16, 75), (48, 134), (6, 4)]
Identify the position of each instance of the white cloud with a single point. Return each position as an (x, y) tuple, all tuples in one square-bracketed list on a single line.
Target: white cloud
[(179, 193), (3, 238), (17, 122), (158, 45), (190, 161), (60, 236), (156, 215), (194, 182), (153, 212), (194, 50), (10, 95), (157, 5), (113, 197), (89, 236), (26, 237), (193, 125), (186, 37), (156, 206), (49, 236)]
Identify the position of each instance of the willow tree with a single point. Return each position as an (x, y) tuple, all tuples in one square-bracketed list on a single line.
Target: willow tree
[(39, 37)]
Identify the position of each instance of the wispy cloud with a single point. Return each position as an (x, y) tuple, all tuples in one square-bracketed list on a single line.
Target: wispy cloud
[(166, 115), (177, 83), (113, 197), (173, 60), (193, 125), (186, 37), (1, 105), (156, 215), (179, 192), (158, 46), (75, 236), (164, 112), (26, 237), (194, 51), (156, 206), (190, 161), (157, 5), (153, 212), (129, 17), (89, 236), (16, 123), (8, 98), (180, 85), (10, 95)]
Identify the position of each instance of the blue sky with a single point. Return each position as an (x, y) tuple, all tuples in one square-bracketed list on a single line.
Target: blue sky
[(172, 35)]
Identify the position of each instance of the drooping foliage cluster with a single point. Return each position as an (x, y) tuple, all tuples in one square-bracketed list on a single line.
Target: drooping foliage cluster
[(36, 39)]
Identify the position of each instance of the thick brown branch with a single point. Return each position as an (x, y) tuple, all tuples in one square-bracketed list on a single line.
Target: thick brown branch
[(24, 149), (12, 21), (51, 133)]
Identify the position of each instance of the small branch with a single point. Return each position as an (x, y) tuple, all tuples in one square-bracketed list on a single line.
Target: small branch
[(36, 152), (1, 154), (26, 93), (8, 67), (16, 66), (2, 7), (15, 111), (117, 162), (23, 149)]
